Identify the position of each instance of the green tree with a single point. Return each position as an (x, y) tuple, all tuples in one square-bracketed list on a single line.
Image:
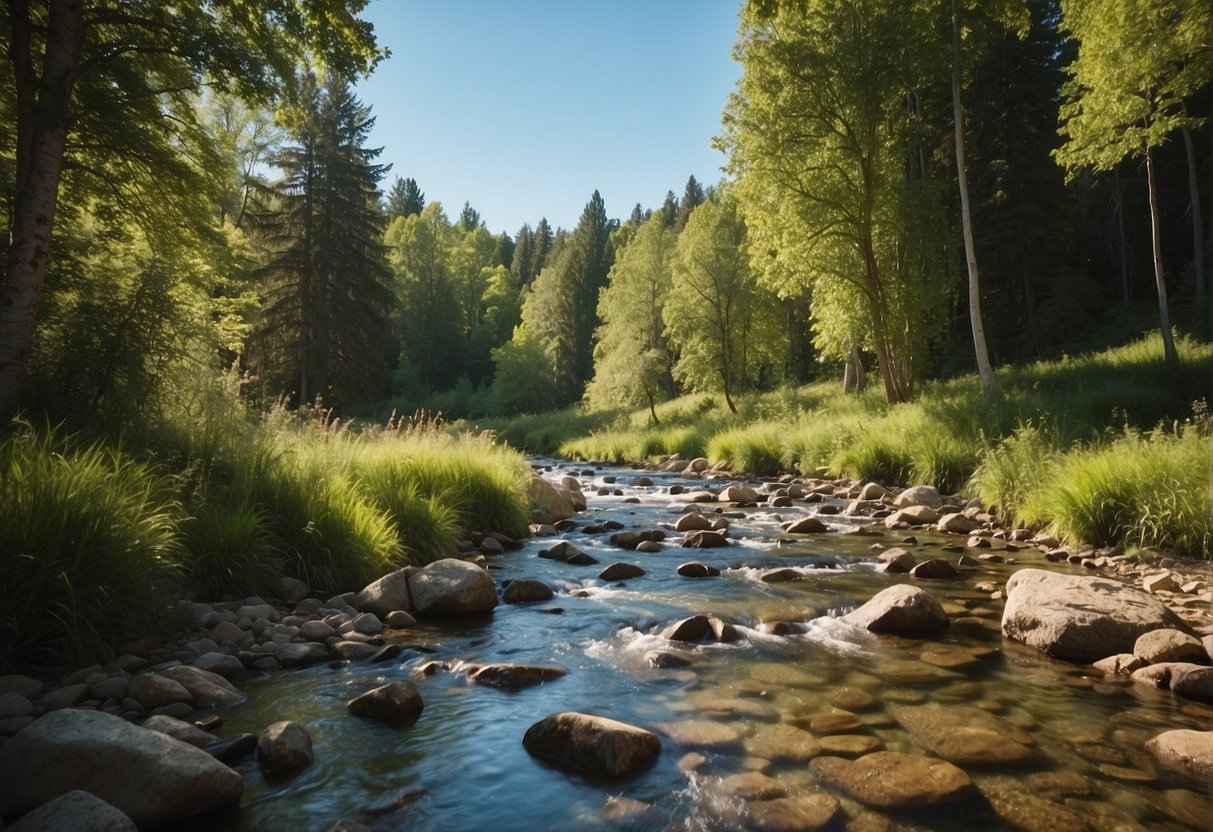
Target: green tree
[(669, 209), (144, 57), (325, 278), (1138, 61), (632, 359), (404, 199), (469, 218), (524, 255), (523, 382), (818, 136), (692, 198), (724, 326), (544, 240)]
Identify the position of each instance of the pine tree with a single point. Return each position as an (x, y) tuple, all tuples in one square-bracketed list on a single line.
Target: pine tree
[(669, 209), (404, 199), (524, 256), (544, 242), (469, 218), (692, 198)]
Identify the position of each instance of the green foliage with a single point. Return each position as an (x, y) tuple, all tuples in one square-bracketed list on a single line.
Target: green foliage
[(89, 551)]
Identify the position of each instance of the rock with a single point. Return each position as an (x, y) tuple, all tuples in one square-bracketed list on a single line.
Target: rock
[(809, 813), (892, 780), (692, 522), (368, 624), (452, 587), (395, 703), (592, 745), (399, 620), (67, 696), (1027, 811), (1168, 645), (1160, 583), (900, 609), (353, 651), (209, 690), (221, 664), (284, 748), (737, 494), (695, 569), (783, 744), (316, 631), (179, 729), (806, 525), (705, 539), (957, 523), (752, 785), (1184, 678), (913, 516), (14, 704), (780, 575), (346, 825), (391, 592), (301, 655), (526, 590), (702, 733), (664, 659), (149, 777), (872, 491), (1122, 664), (934, 569), (701, 628), (897, 560), (919, 495), (561, 551), (1183, 750), (631, 540), (620, 571), (21, 685), (837, 722), (964, 736), (550, 505), (76, 811), (849, 745), (226, 632), (514, 676), (649, 546), (232, 750), (1080, 617), (154, 691), (291, 590)]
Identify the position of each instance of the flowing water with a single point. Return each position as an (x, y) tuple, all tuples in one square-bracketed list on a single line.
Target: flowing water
[(462, 766)]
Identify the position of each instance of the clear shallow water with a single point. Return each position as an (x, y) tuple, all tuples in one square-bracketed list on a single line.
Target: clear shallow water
[(462, 765)]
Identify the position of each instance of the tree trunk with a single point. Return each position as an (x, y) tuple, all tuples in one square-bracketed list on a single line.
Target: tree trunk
[(1164, 316), (989, 384), (42, 125), (728, 399), (1198, 246), (1119, 200), (648, 389), (853, 379)]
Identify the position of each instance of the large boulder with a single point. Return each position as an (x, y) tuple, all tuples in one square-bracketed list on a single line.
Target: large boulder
[(892, 780), (76, 811), (592, 745), (452, 587), (550, 505), (900, 609), (148, 776), (391, 592), (1169, 645), (1184, 750), (737, 494), (1080, 617), (806, 525), (919, 495), (526, 590)]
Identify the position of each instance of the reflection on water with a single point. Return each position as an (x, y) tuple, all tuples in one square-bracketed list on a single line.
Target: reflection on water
[(766, 703)]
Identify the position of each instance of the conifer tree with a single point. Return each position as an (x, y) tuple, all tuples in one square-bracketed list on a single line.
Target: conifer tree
[(669, 209), (544, 239), (692, 198), (524, 256), (404, 199)]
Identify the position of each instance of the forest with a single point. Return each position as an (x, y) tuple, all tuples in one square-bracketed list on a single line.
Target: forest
[(207, 266)]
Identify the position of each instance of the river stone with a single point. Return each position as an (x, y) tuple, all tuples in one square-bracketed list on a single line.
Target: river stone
[(1080, 617), (919, 495), (154, 691), (633, 539), (284, 748), (705, 539), (222, 664), (395, 703), (76, 811), (620, 571), (853, 699), (752, 785), (592, 745), (316, 631), (701, 733), (561, 550), (209, 690), (695, 569), (780, 575), (1122, 664), (150, 777), (301, 655), (664, 659), (1168, 645), (897, 560), (957, 523), (549, 504), (649, 547), (835, 722), (368, 624), (452, 587), (1184, 678), (694, 628), (1186, 751), (526, 590), (914, 516), (692, 522), (353, 651), (737, 494), (965, 736), (391, 592), (1160, 583), (901, 608), (514, 676), (809, 813), (1029, 812), (14, 705), (783, 743), (849, 745), (806, 525), (25, 686), (179, 729), (934, 569), (892, 780)]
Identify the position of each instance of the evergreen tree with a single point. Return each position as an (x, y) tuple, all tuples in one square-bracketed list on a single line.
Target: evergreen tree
[(404, 199), (692, 198), (524, 256), (324, 276), (545, 240), (638, 216), (469, 218), (505, 250), (669, 209)]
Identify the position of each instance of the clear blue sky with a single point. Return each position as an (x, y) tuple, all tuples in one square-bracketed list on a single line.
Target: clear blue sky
[(523, 108)]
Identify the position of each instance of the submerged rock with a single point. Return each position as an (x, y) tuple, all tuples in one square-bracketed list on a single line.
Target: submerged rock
[(892, 780), (1080, 617), (807, 813), (965, 736), (514, 676), (592, 745), (1184, 750), (526, 590)]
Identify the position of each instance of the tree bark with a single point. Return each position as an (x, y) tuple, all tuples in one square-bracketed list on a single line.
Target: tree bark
[(648, 389), (1198, 246), (1126, 284), (985, 371), (43, 118), (1164, 316)]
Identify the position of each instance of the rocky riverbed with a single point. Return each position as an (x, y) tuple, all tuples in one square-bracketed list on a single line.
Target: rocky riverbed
[(675, 648)]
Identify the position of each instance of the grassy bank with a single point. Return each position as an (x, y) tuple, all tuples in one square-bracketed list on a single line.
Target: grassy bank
[(1104, 448), (96, 542)]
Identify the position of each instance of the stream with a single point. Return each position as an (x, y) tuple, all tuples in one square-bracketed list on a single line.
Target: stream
[(462, 765)]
